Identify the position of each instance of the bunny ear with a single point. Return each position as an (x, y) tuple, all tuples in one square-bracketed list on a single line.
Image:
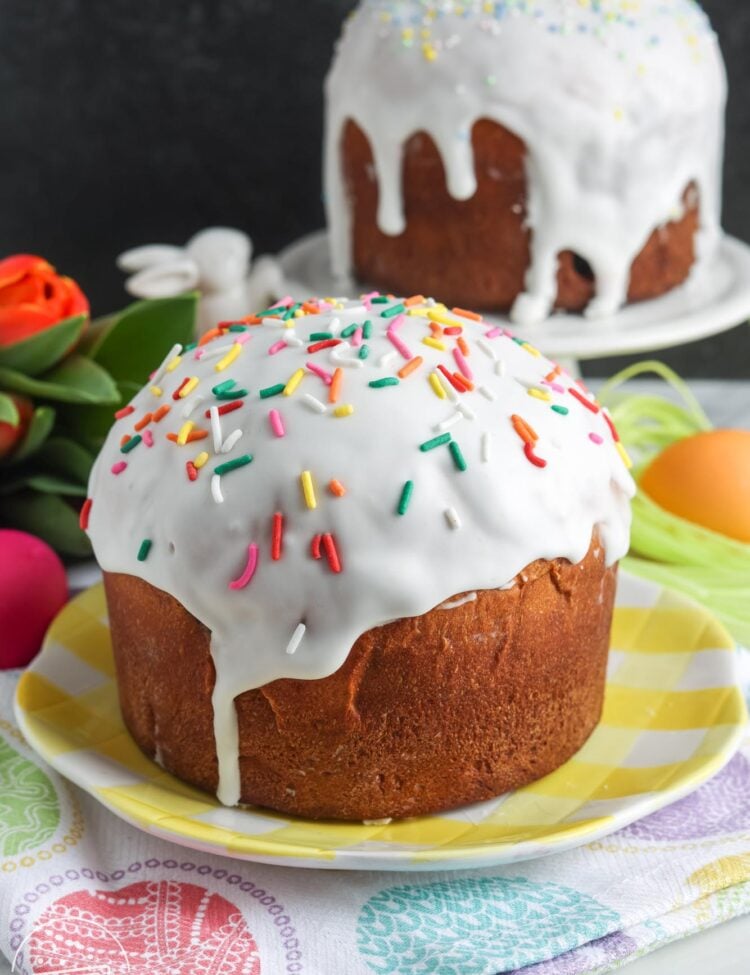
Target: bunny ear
[(139, 258), (165, 280)]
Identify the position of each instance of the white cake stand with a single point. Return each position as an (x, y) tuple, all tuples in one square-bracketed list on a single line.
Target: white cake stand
[(714, 299)]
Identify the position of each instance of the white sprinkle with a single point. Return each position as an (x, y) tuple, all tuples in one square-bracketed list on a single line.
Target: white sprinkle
[(216, 489), (487, 393), (314, 403), (192, 404), (430, 302), (387, 358), (466, 411), (487, 348), (450, 392), (175, 351), (291, 339), (277, 322), (231, 441), (334, 326), (485, 447), (339, 356), (446, 424), (451, 516), (499, 368), (217, 353), (216, 428), (296, 638)]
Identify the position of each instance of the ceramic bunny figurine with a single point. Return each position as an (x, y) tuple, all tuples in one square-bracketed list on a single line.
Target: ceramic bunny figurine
[(216, 262)]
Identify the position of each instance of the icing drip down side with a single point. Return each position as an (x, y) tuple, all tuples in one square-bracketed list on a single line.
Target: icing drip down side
[(316, 471), (620, 104)]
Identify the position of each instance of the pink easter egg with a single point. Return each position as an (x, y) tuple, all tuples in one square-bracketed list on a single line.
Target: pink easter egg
[(33, 590)]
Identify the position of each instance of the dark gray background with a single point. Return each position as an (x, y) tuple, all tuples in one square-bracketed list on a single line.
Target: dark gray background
[(125, 122)]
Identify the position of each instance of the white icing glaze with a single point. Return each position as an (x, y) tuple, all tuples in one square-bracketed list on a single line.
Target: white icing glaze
[(461, 601), (620, 104), (509, 511)]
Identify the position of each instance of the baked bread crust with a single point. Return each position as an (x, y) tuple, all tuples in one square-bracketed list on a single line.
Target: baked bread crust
[(474, 253), (426, 714)]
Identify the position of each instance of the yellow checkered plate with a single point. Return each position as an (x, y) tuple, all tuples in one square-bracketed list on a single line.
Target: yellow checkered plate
[(673, 717)]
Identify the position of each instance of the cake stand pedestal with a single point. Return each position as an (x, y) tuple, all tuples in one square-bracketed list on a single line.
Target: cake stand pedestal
[(715, 298)]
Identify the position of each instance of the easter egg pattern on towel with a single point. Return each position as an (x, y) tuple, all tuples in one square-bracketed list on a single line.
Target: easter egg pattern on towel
[(152, 926), (720, 806), (476, 925), (29, 805)]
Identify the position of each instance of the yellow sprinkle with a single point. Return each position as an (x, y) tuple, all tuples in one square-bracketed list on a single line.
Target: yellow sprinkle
[(624, 454), (294, 382), (434, 344), (429, 52), (437, 386), (530, 348), (228, 358), (184, 432), (308, 489), (539, 394), (173, 363), (299, 313), (200, 460), (442, 319), (345, 410), (189, 386), (157, 391), (421, 312)]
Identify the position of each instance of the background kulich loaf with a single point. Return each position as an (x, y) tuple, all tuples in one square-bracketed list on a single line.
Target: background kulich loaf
[(475, 252), (426, 714)]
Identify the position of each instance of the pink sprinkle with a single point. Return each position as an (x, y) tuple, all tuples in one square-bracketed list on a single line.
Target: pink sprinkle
[(119, 467), (276, 347), (398, 344), (555, 386), (252, 563), (324, 305), (396, 323), (199, 353), (370, 295), (595, 438), (327, 377), (148, 438), (277, 424), (286, 302), (357, 338), (493, 333), (462, 364), (241, 337)]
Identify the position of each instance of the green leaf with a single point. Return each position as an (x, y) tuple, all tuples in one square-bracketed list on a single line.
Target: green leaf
[(8, 411), (75, 380), (89, 425), (40, 427), (43, 350), (95, 334), (50, 484), (66, 458), (135, 344), (48, 517)]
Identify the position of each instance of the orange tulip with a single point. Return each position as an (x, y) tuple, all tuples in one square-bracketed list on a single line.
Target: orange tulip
[(34, 297)]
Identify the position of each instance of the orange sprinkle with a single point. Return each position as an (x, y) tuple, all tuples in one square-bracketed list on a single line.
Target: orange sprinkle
[(524, 431), (191, 437), (161, 412), (410, 366), (337, 488), (552, 376), (210, 334), (144, 421), (463, 345), (124, 438), (467, 314), (468, 386), (414, 300), (435, 329), (251, 320), (310, 308), (335, 387)]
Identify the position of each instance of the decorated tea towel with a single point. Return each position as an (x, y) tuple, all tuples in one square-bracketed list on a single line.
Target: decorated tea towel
[(82, 891)]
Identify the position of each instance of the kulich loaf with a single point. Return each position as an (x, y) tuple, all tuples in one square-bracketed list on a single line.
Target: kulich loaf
[(373, 541)]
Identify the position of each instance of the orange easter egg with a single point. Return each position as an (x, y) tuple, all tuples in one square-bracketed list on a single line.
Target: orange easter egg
[(705, 479)]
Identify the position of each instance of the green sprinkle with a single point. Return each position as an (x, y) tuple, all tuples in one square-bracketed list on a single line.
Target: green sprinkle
[(518, 341), (189, 348), (129, 444), (321, 336), (364, 351), (458, 457), (270, 311), (232, 465), (393, 311), (144, 549), (562, 410), (238, 328), (347, 332), (380, 300), (435, 442), (231, 394), (222, 387), (272, 390), (406, 494), (386, 381), (367, 329)]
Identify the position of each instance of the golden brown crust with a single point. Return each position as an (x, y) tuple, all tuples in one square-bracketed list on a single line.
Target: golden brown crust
[(426, 714), (475, 252)]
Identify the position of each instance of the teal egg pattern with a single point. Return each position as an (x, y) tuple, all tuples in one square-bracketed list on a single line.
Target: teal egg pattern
[(29, 806), (476, 926)]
